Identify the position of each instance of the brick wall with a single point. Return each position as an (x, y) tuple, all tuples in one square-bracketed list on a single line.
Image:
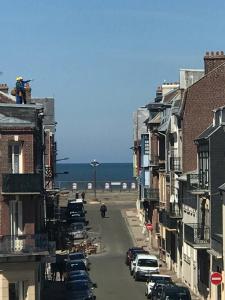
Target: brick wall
[(201, 98)]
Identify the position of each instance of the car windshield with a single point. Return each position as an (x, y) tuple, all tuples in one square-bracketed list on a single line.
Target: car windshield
[(147, 263), (78, 277), (75, 206), (76, 227), (77, 256)]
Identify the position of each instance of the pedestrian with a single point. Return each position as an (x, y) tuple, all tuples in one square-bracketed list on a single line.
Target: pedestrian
[(20, 90), (103, 210), (83, 196)]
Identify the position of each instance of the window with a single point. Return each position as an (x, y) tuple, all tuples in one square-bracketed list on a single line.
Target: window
[(15, 158), (146, 144), (203, 169)]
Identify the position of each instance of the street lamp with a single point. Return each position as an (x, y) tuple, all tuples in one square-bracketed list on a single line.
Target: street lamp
[(94, 164)]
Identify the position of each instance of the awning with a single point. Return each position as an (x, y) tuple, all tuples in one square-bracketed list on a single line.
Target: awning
[(216, 254)]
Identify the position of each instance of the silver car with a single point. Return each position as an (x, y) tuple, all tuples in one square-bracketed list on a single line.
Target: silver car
[(77, 231)]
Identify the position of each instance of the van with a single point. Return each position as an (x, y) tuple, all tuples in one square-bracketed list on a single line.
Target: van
[(144, 265), (75, 212)]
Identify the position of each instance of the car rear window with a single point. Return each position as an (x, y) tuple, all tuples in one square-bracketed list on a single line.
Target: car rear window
[(147, 263), (75, 206), (77, 256)]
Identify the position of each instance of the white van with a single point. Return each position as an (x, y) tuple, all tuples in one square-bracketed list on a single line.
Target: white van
[(144, 265)]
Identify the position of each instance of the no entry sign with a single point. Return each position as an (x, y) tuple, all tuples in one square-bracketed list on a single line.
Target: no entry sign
[(149, 226), (216, 278)]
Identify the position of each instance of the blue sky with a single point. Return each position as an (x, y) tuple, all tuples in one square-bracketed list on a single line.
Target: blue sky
[(101, 60)]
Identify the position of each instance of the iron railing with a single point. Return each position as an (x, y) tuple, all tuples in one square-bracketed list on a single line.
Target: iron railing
[(175, 164), (22, 183), (175, 211), (197, 235), (151, 194), (23, 244), (198, 181), (166, 221)]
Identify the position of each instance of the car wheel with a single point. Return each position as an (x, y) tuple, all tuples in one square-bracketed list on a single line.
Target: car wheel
[(136, 278)]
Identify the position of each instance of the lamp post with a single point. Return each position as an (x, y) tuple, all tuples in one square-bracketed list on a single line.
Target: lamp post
[(94, 164)]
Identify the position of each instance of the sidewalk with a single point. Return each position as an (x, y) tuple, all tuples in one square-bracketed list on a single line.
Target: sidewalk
[(141, 240)]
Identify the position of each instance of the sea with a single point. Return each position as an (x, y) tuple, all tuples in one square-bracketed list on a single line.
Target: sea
[(83, 174)]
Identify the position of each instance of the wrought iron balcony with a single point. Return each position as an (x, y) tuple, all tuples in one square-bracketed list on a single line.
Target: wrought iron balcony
[(22, 183), (175, 211), (198, 182), (32, 244), (151, 194), (166, 220), (197, 235), (175, 164)]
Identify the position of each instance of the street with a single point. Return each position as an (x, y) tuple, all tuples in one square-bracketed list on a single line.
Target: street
[(108, 269)]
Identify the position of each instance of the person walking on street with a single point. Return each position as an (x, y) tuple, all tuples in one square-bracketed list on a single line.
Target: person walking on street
[(103, 210), (83, 196)]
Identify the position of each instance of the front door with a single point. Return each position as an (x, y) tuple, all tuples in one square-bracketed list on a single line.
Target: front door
[(16, 290)]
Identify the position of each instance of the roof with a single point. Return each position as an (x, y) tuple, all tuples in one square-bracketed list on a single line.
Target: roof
[(207, 132), (149, 256), (222, 187)]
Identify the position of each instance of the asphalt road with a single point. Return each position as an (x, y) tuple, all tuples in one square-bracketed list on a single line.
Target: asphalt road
[(108, 269)]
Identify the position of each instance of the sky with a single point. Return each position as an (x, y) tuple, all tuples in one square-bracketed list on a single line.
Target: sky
[(101, 60)]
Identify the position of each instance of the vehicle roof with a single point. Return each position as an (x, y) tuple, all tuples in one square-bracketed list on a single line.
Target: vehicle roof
[(176, 287), (160, 275), (77, 253), (75, 201), (147, 256)]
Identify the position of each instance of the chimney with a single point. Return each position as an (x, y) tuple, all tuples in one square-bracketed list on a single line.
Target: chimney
[(4, 88), (28, 93), (213, 60)]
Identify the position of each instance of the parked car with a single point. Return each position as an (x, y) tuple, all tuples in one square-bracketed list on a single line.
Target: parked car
[(175, 292), (156, 278), (79, 256), (80, 290), (157, 290), (144, 265), (75, 265), (76, 212), (131, 254), (77, 231), (79, 275)]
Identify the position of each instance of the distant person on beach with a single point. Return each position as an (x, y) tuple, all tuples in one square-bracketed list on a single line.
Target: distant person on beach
[(103, 210), (77, 195)]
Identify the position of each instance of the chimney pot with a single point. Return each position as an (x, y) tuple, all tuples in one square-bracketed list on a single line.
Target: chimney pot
[(212, 53), (213, 60), (222, 53), (217, 53), (207, 53)]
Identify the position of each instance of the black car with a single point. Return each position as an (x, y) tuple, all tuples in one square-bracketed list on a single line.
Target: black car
[(80, 290), (174, 292)]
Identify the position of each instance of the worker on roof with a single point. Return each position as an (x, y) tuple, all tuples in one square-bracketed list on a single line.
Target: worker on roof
[(20, 90)]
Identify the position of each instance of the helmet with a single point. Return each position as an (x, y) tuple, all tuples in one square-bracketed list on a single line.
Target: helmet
[(17, 78), (20, 78)]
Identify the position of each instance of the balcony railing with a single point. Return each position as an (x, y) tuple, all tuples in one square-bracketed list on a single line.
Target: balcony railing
[(198, 181), (22, 183), (154, 160), (23, 244), (197, 235), (151, 194), (175, 164), (166, 221), (175, 211)]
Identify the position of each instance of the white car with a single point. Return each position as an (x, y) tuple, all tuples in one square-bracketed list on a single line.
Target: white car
[(156, 278), (77, 231), (144, 265)]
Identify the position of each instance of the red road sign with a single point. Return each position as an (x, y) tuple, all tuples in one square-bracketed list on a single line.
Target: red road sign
[(149, 226), (216, 278)]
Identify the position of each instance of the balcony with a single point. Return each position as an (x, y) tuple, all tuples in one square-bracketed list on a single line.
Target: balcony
[(198, 183), (167, 221), (22, 183), (197, 235), (22, 245), (151, 194), (175, 211), (175, 164)]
